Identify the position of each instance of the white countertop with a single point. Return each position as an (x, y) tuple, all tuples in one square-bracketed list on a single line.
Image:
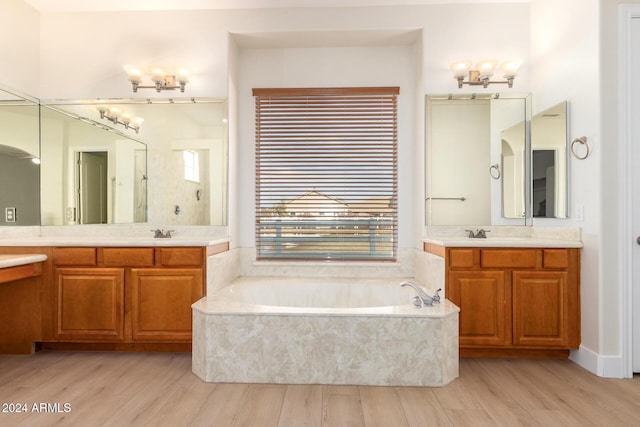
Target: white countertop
[(504, 242), (14, 260), (111, 241)]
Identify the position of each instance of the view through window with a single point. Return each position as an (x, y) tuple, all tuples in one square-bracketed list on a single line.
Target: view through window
[(326, 173)]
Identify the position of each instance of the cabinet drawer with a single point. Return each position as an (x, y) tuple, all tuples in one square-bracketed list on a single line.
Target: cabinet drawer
[(508, 258), (555, 258), (75, 256), (128, 257), (170, 257), (461, 258)]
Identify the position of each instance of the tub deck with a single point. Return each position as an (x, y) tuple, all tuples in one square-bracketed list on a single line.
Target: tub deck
[(391, 345)]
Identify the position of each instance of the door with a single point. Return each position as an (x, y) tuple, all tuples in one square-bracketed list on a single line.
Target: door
[(481, 296), (90, 304), (541, 309), (634, 140), (92, 187), (161, 301)]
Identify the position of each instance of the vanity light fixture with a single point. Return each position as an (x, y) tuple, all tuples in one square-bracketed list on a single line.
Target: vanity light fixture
[(483, 71), (162, 77), (114, 115)]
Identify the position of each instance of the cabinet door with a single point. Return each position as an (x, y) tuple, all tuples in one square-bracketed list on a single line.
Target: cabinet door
[(540, 309), (89, 304), (161, 301), (481, 296)]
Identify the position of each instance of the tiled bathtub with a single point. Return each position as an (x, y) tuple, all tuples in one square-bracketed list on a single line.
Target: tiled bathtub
[(323, 331)]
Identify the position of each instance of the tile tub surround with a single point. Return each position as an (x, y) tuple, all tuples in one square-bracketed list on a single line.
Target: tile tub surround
[(234, 341)]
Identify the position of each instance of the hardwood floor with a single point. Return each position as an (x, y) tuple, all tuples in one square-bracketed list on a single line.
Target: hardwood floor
[(158, 389)]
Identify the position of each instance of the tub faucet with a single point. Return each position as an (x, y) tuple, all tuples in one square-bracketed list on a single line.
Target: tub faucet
[(422, 294)]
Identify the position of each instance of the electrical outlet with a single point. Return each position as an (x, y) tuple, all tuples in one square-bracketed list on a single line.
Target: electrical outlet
[(10, 214), (71, 214), (580, 213)]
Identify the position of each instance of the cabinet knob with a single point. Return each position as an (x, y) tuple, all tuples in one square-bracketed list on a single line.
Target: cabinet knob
[(638, 240)]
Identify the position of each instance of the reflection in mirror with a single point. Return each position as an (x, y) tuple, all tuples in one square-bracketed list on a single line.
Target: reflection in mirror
[(549, 160), (186, 139), (90, 173), (514, 175), (476, 157), (19, 161)]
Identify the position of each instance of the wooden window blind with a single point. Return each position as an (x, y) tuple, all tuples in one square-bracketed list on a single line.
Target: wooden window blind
[(326, 173)]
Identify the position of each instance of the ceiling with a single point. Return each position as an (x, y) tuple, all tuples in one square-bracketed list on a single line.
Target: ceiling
[(56, 6)]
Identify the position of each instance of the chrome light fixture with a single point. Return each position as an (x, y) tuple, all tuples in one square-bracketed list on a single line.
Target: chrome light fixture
[(114, 115), (483, 72), (162, 78)]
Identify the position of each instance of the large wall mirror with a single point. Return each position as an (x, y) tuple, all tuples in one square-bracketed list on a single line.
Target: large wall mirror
[(19, 160), (475, 159), (489, 163), (62, 164), (91, 174), (181, 179)]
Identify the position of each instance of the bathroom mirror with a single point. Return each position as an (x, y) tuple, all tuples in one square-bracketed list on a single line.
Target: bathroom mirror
[(90, 173), (476, 156), (179, 180), (19, 160), (549, 159)]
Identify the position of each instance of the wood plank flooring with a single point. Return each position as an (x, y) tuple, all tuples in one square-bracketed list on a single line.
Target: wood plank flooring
[(159, 389)]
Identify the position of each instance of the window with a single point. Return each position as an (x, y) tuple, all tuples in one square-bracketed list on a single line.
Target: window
[(326, 173), (191, 166)]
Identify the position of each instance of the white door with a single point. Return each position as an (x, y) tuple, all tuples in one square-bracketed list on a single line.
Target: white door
[(634, 138), (92, 189)]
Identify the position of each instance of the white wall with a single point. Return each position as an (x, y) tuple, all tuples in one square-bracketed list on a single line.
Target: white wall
[(327, 67), (574, 58), (82, 55), (19, 46)]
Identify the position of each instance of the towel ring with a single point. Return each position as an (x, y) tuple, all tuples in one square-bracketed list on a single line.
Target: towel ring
[(494, 171), (582, 141)]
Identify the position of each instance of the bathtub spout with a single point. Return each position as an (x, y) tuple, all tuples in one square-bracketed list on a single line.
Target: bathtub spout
[(426, 299)]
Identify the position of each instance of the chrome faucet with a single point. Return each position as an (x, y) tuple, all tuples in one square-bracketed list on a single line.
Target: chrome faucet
[(423, 298), (479, 234), (160, 234)]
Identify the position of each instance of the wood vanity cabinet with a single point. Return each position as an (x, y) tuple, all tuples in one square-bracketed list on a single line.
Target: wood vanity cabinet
[(89, 304), (515, 301), (126, 295)]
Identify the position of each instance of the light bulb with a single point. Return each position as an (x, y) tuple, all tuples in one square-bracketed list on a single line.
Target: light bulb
[(135, 73), (510, 68), (182, 75), (460, 68), (114, 112), (486, 67), (157, 74)]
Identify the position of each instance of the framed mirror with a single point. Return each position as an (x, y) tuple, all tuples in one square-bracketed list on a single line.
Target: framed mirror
[(476, 155), (19, 160)]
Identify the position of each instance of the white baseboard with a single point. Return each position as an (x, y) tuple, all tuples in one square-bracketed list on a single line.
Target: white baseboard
[(600, 365)]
